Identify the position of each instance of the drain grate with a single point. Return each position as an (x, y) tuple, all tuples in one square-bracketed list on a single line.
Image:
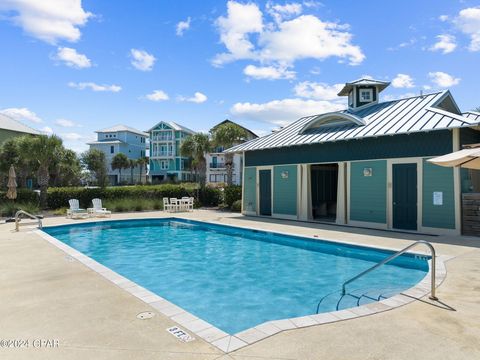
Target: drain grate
[(145, 315)]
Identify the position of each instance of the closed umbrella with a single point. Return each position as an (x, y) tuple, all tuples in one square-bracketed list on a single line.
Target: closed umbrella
[(12, 184)]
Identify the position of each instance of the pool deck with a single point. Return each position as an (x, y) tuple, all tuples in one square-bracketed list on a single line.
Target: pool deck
[(48, 295)]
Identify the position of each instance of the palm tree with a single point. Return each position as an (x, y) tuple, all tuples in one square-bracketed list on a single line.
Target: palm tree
[(142, 163), (42, 152), (133, 164), (195, 146), (119, 162), (228, 135)]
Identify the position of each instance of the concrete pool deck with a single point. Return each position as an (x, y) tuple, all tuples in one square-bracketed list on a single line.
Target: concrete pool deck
[(47, 296)]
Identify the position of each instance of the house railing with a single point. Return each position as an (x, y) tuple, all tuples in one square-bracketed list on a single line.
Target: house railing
[(217, 165)]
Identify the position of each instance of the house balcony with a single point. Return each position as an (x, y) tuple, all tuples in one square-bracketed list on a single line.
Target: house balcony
[(217, 166)]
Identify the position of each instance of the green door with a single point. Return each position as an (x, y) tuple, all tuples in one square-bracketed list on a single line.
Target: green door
[(404, 196), (265, 194)]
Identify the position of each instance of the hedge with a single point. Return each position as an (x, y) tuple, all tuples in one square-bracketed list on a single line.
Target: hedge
[(58, 197), (23, 196), (231, 194)]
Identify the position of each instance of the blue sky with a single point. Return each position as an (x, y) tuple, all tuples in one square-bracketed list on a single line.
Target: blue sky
[(72, 66)]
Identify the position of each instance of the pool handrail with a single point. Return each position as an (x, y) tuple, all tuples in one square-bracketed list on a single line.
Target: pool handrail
[(394, 256), (33, 217)]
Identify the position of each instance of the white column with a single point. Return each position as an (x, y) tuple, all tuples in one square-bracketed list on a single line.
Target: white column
[(341, 196), (457, 186), (304, 183)]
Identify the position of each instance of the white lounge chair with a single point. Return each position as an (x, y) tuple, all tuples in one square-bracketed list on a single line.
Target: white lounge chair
[(75, 212), (98, 209)]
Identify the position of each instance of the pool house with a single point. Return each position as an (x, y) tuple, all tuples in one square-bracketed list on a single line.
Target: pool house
[(366, 165)]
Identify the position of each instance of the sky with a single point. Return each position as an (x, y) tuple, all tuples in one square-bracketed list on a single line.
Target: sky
[(71, 67)]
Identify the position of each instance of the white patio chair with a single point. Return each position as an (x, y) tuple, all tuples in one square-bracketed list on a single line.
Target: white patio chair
[(174, 204), (190, 203), (185, 203), (98, 209), (75, 212), (166, 205)]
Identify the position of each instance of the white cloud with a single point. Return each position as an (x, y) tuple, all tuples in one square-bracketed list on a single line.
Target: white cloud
[(22, 114), (446, 44), (317, 91), (72, 136), (268, 72), (283, 42), (142, 60), (157, 95), (443, 17), (47, 20), (47, 130), (66, 123), (282, 112), (468, 21), (72, 58), (442, 79), (197, 98), (94, 87), (183, 26), (403, 81), (281, 12)]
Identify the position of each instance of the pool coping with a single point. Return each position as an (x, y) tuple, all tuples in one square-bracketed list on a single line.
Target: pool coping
[(229, 343)]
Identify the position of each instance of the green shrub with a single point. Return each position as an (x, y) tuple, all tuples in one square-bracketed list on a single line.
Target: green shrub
[(124, 205), (9, 208), (231, 194), (209, 196), (236, 206), (23, 196)]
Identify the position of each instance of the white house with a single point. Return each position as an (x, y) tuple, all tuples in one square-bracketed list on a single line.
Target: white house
[(126, 140)]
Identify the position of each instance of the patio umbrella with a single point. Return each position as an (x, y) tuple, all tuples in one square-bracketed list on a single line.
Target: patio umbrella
[(466, 158), (12, 184)]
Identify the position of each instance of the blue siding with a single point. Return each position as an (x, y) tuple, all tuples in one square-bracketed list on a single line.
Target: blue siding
[(438, 179), (285, 190), (368, 194)]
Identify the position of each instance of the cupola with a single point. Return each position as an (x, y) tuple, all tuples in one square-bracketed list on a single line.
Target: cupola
[(362, 92)]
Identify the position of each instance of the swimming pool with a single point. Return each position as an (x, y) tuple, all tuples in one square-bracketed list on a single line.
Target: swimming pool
[(236, 278)]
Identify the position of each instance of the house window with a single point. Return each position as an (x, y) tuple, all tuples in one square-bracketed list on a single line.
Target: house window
[(366, 95), (164, 165), (112, 149)]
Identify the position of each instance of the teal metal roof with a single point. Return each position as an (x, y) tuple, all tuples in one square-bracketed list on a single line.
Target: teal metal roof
[(415, 114)]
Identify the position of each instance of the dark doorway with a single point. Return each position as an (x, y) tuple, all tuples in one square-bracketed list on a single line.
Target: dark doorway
[(404, 196), (265, 194), (324, 183)]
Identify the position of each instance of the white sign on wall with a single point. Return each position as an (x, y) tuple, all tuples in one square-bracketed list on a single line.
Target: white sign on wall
[(437, 198)]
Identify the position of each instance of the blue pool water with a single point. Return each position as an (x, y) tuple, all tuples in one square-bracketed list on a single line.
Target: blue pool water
[(231, 277)]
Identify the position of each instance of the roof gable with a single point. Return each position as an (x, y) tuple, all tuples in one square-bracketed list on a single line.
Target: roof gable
[(8, 123)]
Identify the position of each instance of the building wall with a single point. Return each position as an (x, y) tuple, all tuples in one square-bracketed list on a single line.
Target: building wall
[(285, 190), (8, 134), (438, 179), (384, 147), (368, 194), (221, 172)]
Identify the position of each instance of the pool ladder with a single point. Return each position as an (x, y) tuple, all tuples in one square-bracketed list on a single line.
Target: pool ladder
[(18, 218), (394, 256), (383, 262)]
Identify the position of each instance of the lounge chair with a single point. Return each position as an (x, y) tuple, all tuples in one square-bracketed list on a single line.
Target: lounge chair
[(98, 209), (75, 212)]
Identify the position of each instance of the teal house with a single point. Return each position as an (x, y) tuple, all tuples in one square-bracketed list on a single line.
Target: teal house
[(166, 161), (366, 165)]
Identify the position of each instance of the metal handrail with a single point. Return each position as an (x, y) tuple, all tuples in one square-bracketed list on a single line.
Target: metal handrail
[(17, 219), (394, 256)]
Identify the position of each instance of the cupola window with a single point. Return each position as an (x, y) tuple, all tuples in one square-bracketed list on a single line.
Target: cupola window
[(366, 95)]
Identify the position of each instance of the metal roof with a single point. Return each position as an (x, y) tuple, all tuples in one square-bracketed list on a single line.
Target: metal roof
[(174, 126), (97, 142), (409, 115), (363, 82), (120, 127), (472, 115), (8, 123)]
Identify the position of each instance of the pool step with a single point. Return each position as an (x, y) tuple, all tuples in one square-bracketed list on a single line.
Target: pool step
[(337, 301)]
